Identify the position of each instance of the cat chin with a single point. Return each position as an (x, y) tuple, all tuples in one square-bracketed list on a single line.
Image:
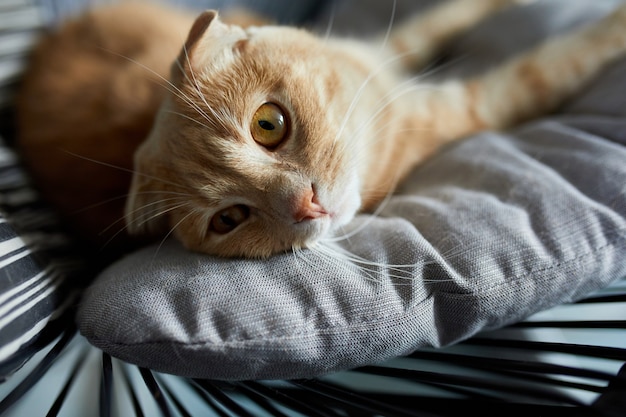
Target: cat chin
[(310, 231), (313, 231)]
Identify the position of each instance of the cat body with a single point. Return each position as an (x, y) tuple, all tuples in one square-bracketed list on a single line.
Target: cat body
[(269, 138), (88, 98)]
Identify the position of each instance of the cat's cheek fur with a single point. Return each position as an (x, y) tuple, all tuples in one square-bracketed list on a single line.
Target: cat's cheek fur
[(347, 204), (255, 239)]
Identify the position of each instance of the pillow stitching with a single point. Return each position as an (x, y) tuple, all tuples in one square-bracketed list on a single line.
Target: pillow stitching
[(352, 326), (609, 243)]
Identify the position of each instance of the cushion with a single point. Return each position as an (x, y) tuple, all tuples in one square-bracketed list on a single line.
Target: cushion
[(41, 269), (489, 231)]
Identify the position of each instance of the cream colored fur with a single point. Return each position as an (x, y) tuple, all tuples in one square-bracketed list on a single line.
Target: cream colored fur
[(356, 122)]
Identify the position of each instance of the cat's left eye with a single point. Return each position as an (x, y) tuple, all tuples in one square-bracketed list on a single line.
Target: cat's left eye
[(269, 125), (225, 221)]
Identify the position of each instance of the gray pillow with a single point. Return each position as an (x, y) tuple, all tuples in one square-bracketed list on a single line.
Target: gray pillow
[(489, 231)]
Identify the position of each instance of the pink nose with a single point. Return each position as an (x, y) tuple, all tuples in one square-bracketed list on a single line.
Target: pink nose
[(308, 208)]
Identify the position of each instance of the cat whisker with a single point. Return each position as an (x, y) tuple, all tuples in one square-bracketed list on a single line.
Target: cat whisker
[(357, 154), (339, 259), (146, 220), (168, 85), (188, 195), (366, 223), (385, 101), (376, 71), (158, 211), (335, 249), (153, 216), (300, 256), (399, 272), (188, 118), (131, 171), (124, 196), (194, 82), (392, 17), (143, 208), (336, 259), (331, 22), (389, 99), (392, 60), (172, 229), (101, 203)]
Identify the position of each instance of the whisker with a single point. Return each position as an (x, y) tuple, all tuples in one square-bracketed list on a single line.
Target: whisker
[(356, 155), (371, 270), (131, 171), (331, 22), (142, 208), (169, 86), (123, 196), (194, 81), (188, 118), (333, 258), (162, 212), (169, 234), (145, 220), (367, 222), (299, 254), (389, 99), (394, 59), (362, 262), (383, 45)]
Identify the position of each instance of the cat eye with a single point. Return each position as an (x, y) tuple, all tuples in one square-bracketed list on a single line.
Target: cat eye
[(225, 221), (269, 125)]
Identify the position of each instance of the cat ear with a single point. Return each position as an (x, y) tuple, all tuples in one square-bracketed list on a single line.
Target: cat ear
[(208, 35), (207, 38), (198, 28)]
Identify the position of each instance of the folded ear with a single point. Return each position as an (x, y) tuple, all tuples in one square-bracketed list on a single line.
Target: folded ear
[(199, 27), (146, 213), (207, 38)]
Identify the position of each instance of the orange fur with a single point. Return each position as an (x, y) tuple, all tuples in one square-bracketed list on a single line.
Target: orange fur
[(88, 95), (88, 99), (353, 126)]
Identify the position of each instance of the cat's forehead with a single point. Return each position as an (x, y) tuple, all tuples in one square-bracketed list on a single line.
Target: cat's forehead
[(269, 53), (268, 64), (217, 104)]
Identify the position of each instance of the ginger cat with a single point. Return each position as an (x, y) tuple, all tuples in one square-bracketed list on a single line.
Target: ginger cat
[(265, 138)]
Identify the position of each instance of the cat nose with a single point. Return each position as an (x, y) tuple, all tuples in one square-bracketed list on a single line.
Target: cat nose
[(308, 208)]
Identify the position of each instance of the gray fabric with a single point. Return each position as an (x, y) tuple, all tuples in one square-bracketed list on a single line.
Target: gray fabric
[(494, 228)]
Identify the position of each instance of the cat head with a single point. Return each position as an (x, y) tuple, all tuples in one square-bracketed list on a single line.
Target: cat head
[(247, 156)]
